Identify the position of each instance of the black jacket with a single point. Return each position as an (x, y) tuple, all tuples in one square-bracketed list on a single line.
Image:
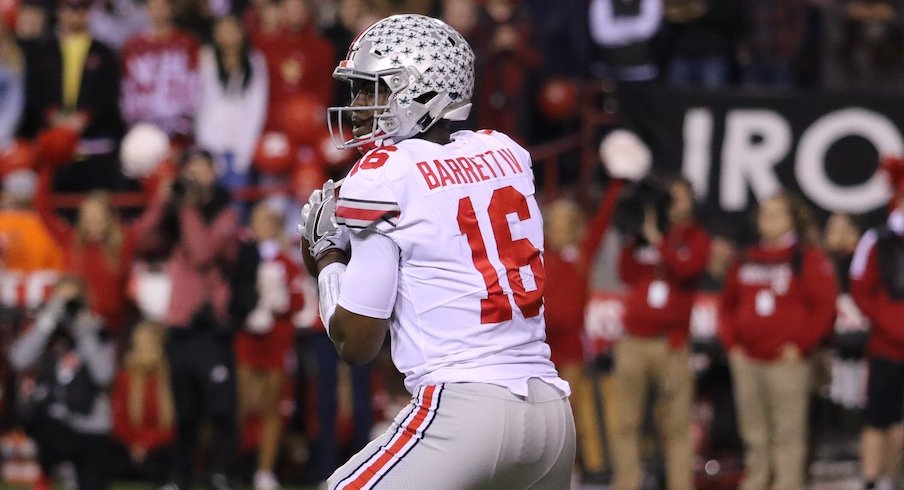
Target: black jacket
[(98, 94)]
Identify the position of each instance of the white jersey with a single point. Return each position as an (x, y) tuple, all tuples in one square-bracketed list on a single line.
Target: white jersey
[(469, 302)]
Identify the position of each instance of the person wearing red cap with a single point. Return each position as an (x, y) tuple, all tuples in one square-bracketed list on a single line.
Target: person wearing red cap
[(877, 286), (778, 303)]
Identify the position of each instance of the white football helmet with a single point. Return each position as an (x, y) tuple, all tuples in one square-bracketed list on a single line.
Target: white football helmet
[(428, 67)]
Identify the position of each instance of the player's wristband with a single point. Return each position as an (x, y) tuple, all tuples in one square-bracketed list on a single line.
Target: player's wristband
[(328, 282)]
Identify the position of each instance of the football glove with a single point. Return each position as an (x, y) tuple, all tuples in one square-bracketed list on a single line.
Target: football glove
[(319, 227)]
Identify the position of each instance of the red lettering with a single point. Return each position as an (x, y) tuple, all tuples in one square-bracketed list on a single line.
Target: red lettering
[(456, 171), (468, 169), (495, 308), (443, 173), (490, 167), (493, 156), (483, 157), (509, 157), (479, 168), (374, 159), (429, 176)]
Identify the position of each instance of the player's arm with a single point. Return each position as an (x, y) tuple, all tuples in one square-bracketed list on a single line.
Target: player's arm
[(357, 295), (364, 298), (357, 338)]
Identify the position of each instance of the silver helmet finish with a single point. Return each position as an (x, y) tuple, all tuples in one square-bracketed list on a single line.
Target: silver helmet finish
[(428, 68)]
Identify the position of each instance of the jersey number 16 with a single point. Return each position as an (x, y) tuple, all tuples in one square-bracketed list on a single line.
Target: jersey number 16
[(514, 255)]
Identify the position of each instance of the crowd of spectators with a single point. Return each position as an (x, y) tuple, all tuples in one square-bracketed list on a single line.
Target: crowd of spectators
[(188, 67), (128, 330)]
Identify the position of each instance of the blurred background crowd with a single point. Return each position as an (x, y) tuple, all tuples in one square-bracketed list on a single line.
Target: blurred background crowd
[(156, 326)]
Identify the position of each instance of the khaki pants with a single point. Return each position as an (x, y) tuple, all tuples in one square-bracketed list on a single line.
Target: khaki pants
[(590, 422), (640, 363), (772, 400)]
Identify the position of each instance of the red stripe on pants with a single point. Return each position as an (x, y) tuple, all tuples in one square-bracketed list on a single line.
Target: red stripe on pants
[(387, 454)]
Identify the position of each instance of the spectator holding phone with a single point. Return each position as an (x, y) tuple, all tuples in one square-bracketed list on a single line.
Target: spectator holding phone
[(64, 405)]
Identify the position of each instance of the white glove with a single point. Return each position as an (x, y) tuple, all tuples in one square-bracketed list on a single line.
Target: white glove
[(319, 227)]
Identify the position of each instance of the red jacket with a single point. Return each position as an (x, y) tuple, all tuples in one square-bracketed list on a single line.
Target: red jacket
[(887, 315), (149, 434), (297, 63), (767, 304), (564, 299), (567, 283), (667, 273), (106, 281), (198, 262)]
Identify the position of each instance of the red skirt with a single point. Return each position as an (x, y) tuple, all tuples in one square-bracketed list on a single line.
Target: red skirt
[(268, 351)]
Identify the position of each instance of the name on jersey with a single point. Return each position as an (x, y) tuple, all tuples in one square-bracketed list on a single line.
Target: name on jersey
[(492, 164)]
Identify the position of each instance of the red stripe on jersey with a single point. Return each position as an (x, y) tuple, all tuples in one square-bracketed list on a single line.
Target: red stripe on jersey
[(365, 214), (409, 432)]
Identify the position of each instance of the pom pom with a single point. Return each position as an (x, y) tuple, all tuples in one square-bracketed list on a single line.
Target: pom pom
[(142, 150), (625, 156)]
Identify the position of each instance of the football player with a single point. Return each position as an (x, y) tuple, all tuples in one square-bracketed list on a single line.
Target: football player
[(436, 238)]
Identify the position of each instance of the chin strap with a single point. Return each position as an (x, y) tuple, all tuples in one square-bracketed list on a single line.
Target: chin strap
[(328, 283)]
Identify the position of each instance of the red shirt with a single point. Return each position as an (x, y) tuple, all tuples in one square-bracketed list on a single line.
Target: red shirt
[(106, 280), (566, 293), (297, 62), (197, 263), (869, 292), (148, 434), (662, 281), (766, 303), (565, 297), (160, 81)]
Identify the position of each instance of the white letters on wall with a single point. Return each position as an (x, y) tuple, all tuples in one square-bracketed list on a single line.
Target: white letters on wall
[(755, 142), (698, 138), (810, 168)]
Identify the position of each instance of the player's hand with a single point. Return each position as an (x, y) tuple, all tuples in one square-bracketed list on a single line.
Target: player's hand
[(318, 223)]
